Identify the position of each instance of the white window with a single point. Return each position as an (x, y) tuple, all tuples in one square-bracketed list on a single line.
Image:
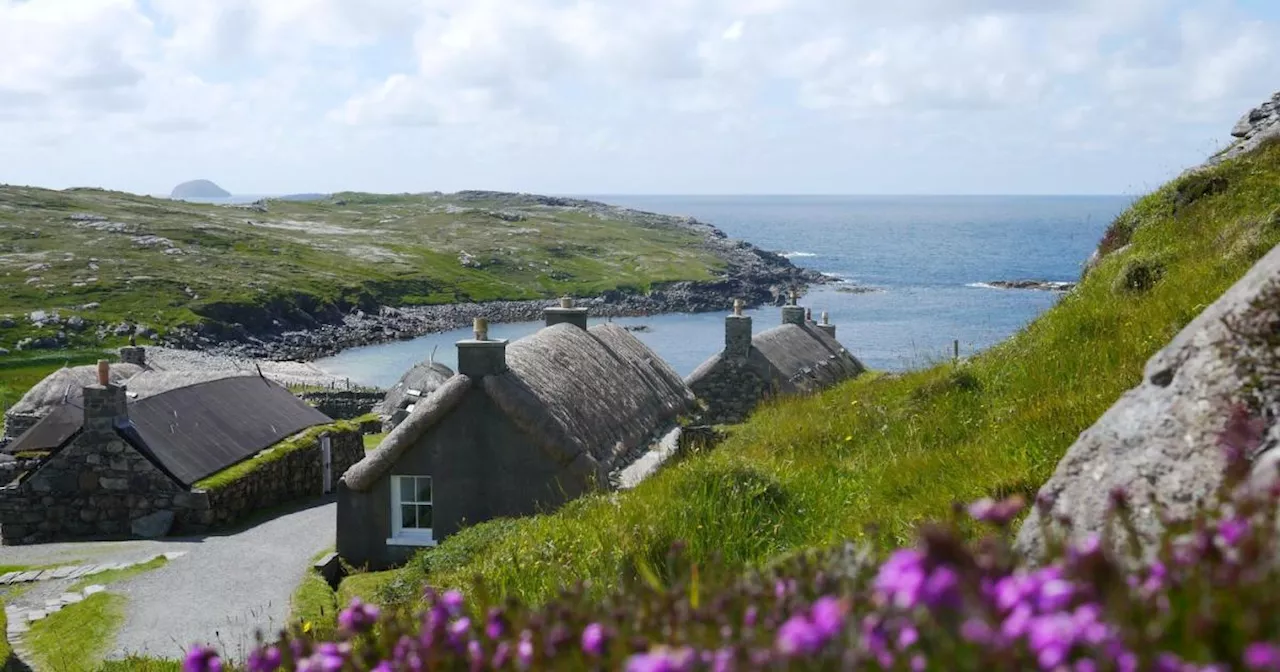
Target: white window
[(411, 511)]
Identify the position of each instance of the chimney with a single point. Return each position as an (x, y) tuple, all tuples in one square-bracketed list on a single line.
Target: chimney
[(105, 403), (808, 314), (134, 354), (566, 313), (737, 333), (480, 356), (826, 325), (792, 313)]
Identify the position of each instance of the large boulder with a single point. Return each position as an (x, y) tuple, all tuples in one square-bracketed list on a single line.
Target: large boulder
[(1160, 442)]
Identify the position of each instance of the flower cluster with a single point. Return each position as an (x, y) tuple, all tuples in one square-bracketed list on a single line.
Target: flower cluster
[(1208, 598)]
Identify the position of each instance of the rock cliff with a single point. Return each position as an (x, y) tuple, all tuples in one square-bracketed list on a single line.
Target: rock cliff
[(1255, 127)]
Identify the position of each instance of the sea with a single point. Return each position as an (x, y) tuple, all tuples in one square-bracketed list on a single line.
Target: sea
[(928, 260)]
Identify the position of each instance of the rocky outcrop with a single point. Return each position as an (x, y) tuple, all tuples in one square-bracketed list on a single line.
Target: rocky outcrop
[(1254, 128), (1043, 285), (199, 189), (1159, 443)]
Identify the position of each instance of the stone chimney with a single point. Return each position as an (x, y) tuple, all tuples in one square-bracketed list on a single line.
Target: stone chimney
[(566, 313), (105, 403), (481, 356), (133, 354), (737, 333), (792, 313), (826, 325)]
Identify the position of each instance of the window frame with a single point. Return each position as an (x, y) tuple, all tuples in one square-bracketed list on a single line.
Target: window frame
[(401, 536)]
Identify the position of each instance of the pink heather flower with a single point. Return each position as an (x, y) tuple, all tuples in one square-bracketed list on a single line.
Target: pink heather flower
[(383, 666), (459, 629), (1232, 530), (798, 637), (827, 615), (264, 660), (494, 627), (908, 636), (1000, 513), (662, 660), (919, 663), (593, 639), (749, 619), (452, 601), (524, 650), (722, 661), (1262, 656), (501, 655), (978, 632), (202, 659), (358, 617), (475, 653), (900, 581)]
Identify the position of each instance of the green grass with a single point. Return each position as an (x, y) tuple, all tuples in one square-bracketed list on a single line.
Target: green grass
[(371, 441), (140, 664), (305, 257), (313, 601), (75, 638), (20, 372), (368, 586), (898, 450), (301, 441), (6, 652), (113, 575)]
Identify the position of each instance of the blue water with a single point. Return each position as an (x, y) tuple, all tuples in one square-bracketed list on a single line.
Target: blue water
[(924, 254)]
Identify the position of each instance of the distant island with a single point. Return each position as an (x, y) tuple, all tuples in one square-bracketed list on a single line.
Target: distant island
[(199, 189)]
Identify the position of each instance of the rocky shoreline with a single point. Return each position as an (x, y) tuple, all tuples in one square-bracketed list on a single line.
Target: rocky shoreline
[(756, 276)]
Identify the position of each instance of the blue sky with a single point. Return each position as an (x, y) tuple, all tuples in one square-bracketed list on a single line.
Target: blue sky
[(617, 96)]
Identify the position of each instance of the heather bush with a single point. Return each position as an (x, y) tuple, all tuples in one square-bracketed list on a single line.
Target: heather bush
[(1207, 599)]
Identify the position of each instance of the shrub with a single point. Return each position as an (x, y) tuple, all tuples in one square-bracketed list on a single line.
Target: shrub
[(1139, 274), (1209, 599)]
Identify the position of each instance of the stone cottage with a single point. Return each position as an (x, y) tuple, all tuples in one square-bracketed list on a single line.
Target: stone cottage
[(414, 386), (120, 463), (521, 428), (798, 356)]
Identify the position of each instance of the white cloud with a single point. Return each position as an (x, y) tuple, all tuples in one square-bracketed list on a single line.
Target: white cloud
[(565, 95)]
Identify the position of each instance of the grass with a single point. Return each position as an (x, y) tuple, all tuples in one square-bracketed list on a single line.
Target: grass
[(313, 601), (898, 450), (300, 441), (140, 664), (20, 372), (368, 586), (371, 441), (75, 638), (113, 575), (6, 652), (167, 263)]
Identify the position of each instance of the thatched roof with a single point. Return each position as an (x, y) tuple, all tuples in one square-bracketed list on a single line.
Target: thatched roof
[(793, 359), (596, 393), (585, 397), (423, 379), (365, 473), (66, 384)]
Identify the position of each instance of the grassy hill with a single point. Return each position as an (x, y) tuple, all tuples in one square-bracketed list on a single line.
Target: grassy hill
[(896, 450), (165, 263)]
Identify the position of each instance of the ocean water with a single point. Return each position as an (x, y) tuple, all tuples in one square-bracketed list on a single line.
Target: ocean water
[(927, 258)]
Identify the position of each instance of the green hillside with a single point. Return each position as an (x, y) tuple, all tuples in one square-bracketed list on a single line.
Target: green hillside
[(165, 263), (897, 450)]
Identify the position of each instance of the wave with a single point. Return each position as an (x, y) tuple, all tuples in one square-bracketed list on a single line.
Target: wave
[(793, 255), (981, 285)]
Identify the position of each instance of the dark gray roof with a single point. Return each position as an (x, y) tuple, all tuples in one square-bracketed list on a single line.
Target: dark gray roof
[(793, 359), (53, 430), (196, 431), (584, 397)]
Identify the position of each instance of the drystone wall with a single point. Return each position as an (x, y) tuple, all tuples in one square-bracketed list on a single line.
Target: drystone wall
[(344, 404), (730, 390), (97, 486), (296, 476)]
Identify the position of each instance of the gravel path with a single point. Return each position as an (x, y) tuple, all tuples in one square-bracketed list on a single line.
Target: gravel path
[(220, 591), (225, 587)]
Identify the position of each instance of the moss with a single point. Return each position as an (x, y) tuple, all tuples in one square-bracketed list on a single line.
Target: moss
[(301, 441)]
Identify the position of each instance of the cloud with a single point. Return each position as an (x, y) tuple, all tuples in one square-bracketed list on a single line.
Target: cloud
[(770, 95)]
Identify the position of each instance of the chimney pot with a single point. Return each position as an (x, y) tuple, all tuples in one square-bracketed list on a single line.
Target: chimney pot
[(104, 372), (825, 318), (737, 307), (566, 302), (481, 327)]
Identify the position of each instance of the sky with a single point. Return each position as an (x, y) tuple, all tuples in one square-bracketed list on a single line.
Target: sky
[(627, 96)]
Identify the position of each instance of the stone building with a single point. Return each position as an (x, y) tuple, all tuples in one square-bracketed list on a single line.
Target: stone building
[(521, 428), (120, 463), (796, 357), (415, 385)]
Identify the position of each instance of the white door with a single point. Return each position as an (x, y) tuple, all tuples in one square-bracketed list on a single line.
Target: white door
[(326, 463)]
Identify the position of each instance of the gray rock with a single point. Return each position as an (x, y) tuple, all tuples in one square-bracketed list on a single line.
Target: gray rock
[(1159, 442), (153, 525), (4, 351), (92, 305), (75, 322), (38, 316)]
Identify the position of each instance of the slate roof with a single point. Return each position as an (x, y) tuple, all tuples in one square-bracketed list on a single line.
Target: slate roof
[(793, 359), (584, 397)]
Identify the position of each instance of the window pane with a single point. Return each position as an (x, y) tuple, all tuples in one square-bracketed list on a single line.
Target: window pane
[(406, 489), (424, 516), (424, 489), (408, 516)]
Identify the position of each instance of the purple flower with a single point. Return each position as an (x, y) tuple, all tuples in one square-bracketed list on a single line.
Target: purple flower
[(494, 626), (593, 639), (1000, 513), (662, 660), (452, 601), (475, 654), (749, 619), (722, 661), (501, 655), (1232, 530), (383, 666), (459, 629), (798, 636), (1260, 656), (978, 632), (901, 578), (524, 650), (202, 659), (358, 617), (264, 660), (828, 616)]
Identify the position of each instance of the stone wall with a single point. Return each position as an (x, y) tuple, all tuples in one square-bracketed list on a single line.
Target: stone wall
[(344, 404), (296, 476), (97, 486), (730, 391), (10, 470), (17, 423)]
